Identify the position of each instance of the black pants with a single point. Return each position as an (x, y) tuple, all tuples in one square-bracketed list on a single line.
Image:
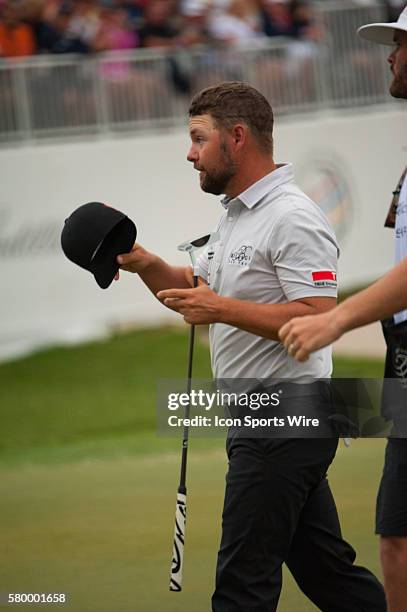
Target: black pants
[(279, 509), (391, 509)]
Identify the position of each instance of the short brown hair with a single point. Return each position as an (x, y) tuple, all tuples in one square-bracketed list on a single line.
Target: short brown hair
[(233, 101)]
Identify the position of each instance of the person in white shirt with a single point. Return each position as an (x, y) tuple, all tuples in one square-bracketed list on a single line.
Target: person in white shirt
[(385, 299)]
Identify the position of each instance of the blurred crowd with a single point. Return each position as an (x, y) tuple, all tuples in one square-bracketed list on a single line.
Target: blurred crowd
[(29, 27), (230, 38)]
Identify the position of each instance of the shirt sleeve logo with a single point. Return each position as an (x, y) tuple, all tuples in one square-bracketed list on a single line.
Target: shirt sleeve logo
[(242, 257), (324, 278)]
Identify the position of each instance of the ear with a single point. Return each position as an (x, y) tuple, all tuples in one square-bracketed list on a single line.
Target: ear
[(238, 136)]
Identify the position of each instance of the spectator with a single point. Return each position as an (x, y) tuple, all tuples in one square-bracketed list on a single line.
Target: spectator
[(28, 10), (277, 18), (160, 28), (115, 32), (305, 26), (185, 71), (16, 37), (134, 9), (85, 21), (237, 24), (195, 22), (304, 50), (54, 32), (288, 74)]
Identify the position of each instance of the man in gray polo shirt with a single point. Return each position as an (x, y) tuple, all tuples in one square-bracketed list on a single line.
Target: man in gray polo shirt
[(264, 234), (276, 258)]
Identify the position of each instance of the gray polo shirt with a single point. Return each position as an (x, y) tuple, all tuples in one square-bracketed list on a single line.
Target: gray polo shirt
[(275, 246)]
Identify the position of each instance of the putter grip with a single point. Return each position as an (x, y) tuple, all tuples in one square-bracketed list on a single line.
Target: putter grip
[(179, 540)]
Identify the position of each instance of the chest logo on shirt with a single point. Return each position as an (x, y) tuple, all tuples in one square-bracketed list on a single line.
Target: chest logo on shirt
[(324, 278), (242, 257)]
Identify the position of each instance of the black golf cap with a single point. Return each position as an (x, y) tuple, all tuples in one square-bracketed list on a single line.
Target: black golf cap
[(94, 235)]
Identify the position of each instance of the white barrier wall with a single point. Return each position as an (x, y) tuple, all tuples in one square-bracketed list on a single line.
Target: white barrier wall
[(350, 164)]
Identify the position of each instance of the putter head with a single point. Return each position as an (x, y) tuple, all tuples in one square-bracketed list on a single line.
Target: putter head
[(198, 243)]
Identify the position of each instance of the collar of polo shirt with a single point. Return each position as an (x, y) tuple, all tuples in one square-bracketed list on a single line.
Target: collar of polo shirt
[(253, 194)]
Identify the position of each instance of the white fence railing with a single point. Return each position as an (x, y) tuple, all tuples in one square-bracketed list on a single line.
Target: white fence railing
[(50, 96)]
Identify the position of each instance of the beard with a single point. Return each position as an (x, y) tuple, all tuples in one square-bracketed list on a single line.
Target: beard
[(216, 181), (398, 88)]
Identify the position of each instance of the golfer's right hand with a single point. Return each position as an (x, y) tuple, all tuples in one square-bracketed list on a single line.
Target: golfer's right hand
[(136, 261), (302, 336)]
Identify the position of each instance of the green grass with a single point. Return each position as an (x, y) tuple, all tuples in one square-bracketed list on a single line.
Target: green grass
[(101, 397), (95, 391), (345, 367), (87, 488), (101, 530)]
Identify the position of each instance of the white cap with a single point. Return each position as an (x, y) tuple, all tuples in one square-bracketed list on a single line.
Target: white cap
[(383, 33)]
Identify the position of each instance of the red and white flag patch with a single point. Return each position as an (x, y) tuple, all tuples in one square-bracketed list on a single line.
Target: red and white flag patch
[(324, 278)]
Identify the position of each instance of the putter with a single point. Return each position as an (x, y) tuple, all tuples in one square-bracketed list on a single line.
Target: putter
[(181, 507)]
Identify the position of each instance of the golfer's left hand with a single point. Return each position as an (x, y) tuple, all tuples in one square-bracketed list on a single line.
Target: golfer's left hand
[(199, 306)]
